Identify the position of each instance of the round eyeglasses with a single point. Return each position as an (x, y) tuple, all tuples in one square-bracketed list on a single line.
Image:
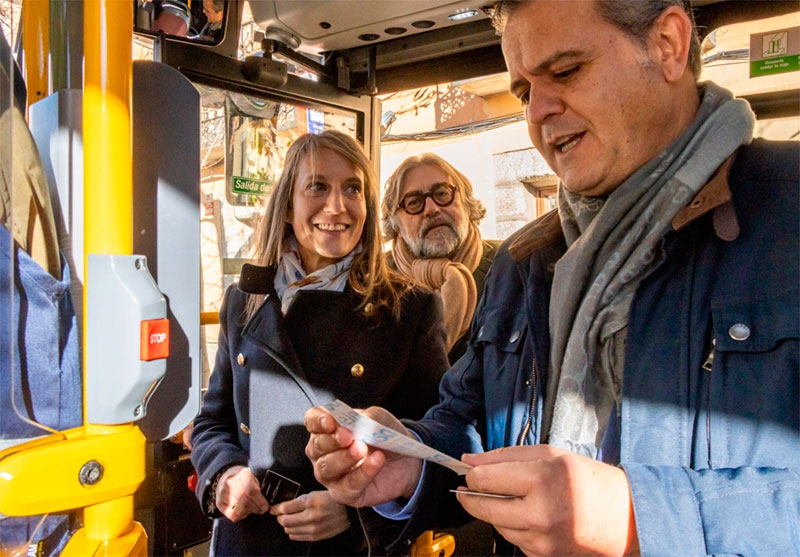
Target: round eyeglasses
[(414, 202)]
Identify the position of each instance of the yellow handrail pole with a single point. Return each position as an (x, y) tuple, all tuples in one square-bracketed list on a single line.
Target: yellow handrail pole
[(36, 45), (107, 150), (209, 318), (108, 164), (108, 187)]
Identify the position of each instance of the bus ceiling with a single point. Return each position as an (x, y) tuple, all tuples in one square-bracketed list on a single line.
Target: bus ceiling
[(383, 46)]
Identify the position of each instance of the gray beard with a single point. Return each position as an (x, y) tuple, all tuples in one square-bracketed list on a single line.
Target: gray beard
[(442, 243)]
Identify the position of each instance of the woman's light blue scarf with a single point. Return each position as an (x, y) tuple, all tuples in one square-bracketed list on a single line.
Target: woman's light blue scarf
[(291, 276)]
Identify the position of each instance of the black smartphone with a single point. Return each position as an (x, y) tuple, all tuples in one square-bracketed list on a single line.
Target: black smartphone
[(277, 488)]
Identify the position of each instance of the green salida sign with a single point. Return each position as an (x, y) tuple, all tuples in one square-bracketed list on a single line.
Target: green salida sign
[(251, 186), (775, 52)]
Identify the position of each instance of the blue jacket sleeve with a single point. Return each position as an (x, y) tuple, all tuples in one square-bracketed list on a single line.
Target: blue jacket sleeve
[(452, 426), (215, 438)]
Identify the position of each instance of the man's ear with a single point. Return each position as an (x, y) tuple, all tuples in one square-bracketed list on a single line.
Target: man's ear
[(671, 36)]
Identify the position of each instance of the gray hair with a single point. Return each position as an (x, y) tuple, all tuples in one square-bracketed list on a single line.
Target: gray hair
[(391, 195), (635, 18)]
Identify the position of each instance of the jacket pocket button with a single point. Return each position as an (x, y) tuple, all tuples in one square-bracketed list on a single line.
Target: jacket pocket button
[(739, 332), (514, 337), (240, 359), (244, 428), (357, 370)]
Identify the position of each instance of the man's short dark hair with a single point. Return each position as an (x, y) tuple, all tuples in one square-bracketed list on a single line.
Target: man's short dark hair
[(635, 18)]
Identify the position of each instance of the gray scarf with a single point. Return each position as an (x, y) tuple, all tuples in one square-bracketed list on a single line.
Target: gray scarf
[(613, 246)]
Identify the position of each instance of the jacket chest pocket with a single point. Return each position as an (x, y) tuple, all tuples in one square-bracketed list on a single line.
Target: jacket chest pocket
[(753, 381), (500, 334)]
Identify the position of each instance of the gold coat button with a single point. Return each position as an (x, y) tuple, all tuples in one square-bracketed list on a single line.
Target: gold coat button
[(240, 359), (357, 370), (244, 428), (368, 309)]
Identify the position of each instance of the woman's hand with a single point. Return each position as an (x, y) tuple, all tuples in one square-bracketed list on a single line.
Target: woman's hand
[(312, 517), (239, 494)]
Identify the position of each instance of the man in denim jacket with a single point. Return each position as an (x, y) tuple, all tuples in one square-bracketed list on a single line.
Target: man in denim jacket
[(634, 360)]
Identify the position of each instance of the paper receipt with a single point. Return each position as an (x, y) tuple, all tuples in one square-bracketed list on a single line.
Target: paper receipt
[(377, 435)]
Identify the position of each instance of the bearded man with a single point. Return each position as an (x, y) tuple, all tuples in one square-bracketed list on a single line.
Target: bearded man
[(432, 217)]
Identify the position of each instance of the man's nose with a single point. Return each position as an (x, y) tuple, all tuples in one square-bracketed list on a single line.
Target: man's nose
[(430, 206), (544, 102)]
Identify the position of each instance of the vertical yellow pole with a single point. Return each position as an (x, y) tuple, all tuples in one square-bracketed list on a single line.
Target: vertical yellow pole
[(108, 165), (36, 45), (107, 156), (108, 184), (110, 519)]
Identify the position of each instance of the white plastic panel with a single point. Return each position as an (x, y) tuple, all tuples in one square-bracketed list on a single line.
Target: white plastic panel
[(322, 25)]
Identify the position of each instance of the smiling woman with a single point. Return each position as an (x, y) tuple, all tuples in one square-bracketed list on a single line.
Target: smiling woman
[(328, 209), (321, 317)]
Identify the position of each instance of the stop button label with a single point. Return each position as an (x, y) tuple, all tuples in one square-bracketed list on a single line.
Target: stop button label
[(154, 340)]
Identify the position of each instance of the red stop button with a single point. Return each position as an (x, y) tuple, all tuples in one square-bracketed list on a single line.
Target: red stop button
[(154, 340)]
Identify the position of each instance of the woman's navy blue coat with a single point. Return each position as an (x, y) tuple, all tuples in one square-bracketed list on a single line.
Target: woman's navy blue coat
[(272, 369)]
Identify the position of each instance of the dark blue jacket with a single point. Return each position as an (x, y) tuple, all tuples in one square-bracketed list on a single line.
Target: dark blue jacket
[(712, 457)]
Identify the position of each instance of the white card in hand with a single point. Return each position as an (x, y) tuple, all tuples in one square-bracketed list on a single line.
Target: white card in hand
[(377, 435)]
